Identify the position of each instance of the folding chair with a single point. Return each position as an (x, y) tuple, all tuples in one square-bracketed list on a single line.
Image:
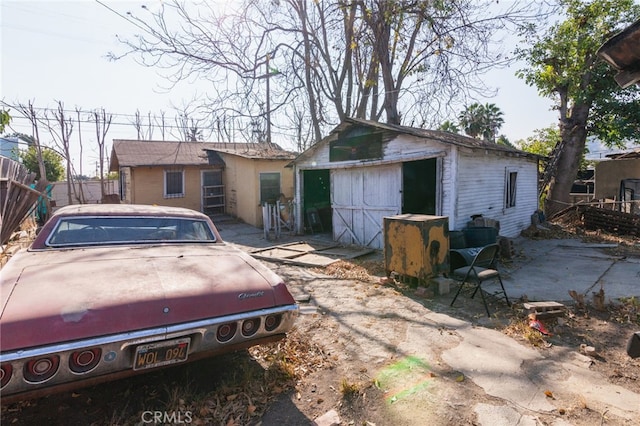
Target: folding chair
[(482, 268)]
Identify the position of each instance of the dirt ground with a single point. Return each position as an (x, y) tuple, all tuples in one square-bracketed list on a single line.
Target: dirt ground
[(347, 361)]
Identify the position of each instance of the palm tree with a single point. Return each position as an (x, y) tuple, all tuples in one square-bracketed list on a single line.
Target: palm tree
[(492, 122), (471, 120), (449, 126), (481, 120)]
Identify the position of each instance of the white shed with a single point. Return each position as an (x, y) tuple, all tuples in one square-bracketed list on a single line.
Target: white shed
[(365, 170)]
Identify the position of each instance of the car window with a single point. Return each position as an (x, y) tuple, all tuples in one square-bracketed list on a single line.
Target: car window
[(106, 230)]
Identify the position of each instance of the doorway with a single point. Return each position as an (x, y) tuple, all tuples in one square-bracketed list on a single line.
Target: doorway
[(316, 194), (419, 189), (212, 192)]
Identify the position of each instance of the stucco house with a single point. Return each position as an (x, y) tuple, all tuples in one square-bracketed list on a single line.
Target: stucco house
[(214, 178), (364, 170), (618, 178)]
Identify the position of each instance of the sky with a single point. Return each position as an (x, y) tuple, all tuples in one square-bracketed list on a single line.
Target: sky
[(56, 51)]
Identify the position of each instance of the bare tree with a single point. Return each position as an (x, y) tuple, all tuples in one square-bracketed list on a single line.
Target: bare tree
[(80, 193), (190, 123), (61, 128), (411, 60), (102, 122), (161, 122), (139, 124), (29, 112)]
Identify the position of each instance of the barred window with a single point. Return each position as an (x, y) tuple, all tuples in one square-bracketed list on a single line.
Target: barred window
[(173, 183)]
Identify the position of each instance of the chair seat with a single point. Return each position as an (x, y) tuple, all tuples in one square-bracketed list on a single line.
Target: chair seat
[(483, 273), (476, 274)]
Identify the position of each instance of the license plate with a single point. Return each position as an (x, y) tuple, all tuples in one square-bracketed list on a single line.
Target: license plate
[(161, 353)]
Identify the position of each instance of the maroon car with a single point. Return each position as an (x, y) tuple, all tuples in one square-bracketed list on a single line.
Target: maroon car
[(106, 291)]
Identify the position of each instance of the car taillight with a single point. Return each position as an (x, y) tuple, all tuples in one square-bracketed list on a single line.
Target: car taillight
[(84, 360), (250, 326), (41, 369), (272, 322), (5, 374), (226, 332)]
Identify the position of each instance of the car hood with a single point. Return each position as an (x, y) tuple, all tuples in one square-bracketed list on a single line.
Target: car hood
[(74, 294)]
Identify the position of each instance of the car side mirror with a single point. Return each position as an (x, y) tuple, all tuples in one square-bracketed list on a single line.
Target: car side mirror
[(633, 346)]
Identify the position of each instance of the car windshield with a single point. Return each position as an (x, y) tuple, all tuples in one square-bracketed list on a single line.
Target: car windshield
[(106, 230)]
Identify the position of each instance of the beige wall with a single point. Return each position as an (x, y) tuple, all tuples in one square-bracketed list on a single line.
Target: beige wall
[(242, 185), (609, 174), (241, 178), (147, 187)]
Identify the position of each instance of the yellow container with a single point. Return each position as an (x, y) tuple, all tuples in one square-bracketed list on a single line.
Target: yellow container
[(416, 245)]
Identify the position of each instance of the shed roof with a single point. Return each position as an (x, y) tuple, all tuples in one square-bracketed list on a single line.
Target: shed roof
[(437, 135), (132, 153), (621, 51)]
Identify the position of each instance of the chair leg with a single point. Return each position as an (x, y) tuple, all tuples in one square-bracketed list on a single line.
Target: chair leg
[(486, 307), (504, 291), (476, 289), (457, 293)]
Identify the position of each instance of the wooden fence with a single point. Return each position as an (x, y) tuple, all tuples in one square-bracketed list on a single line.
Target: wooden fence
[(610, 220)]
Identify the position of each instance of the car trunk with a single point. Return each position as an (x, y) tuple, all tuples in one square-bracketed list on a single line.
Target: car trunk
[(82, 293)]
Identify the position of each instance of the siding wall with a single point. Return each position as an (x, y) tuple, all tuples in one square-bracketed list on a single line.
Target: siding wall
[(481, 190)]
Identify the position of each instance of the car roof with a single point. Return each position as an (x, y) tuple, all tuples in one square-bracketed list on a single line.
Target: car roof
[(125, 209)]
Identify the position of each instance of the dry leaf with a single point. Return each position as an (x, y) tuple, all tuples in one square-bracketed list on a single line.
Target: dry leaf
[(549, 394)]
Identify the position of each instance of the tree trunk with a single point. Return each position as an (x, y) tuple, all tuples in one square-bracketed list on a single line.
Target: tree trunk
[(574, 135)]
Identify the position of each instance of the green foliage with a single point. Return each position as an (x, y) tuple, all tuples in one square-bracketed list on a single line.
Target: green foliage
[(53, 163), (503, 140), (542, 142), (449, 126), (481, 120), (5, 118), (563, 65)]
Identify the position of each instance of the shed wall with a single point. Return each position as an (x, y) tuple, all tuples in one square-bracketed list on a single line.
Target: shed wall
[(482, 182), (470, 182)]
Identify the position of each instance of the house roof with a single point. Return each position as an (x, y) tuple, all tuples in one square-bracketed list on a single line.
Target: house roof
[(437, 135), (633, 154), (621, 51), (132, 153)]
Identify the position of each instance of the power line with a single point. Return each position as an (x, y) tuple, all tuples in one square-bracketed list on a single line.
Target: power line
[(126, 18)]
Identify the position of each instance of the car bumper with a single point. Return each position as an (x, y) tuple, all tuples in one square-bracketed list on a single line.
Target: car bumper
[(117, 353)]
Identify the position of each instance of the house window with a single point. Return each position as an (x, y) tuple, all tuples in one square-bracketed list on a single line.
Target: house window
[(269, 187), (173, 183), (510, 189)]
